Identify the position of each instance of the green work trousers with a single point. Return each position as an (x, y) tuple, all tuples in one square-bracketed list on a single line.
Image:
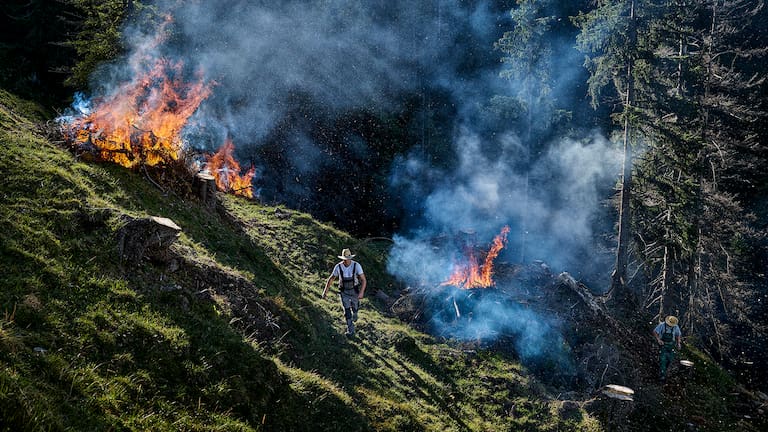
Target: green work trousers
[(666, 357)]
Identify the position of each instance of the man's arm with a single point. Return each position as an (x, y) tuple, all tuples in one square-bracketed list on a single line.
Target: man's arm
[(678, 341), (363, 284), (328, 283), (658, 338)]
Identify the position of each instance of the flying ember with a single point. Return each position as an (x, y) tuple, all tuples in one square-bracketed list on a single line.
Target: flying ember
[(226, 170), (470, 273), (140, 123)]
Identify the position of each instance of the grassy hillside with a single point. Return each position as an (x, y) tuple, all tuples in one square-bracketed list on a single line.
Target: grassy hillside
[(231, 334)]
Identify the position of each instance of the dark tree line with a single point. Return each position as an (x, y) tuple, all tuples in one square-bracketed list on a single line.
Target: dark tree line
[(691, 78), (50, 48), (680, 85)]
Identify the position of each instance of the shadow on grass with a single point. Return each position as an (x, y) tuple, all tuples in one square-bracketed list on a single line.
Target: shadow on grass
[(417, 384)]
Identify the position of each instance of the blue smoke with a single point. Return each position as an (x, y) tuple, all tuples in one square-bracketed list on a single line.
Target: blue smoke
[(81, 106), (488, 315)]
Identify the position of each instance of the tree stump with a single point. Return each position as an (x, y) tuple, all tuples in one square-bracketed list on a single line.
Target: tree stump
[(148, 238), (204, 186)]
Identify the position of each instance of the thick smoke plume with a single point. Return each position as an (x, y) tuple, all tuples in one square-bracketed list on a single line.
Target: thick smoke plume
[(304, 86), (339, 55), (554, 201), (483, 193)]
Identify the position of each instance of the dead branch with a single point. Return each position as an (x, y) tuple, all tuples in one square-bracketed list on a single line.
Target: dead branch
[(144, 168)]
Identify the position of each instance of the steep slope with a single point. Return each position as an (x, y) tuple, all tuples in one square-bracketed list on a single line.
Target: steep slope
[(229, 334)]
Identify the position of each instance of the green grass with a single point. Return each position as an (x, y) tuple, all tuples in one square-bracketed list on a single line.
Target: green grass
[(88, 343)]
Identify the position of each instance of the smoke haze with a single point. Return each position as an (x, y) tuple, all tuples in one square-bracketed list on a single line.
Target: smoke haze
[(339, 54), (288, 74)]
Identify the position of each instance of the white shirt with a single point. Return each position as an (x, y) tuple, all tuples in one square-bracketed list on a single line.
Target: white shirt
[(347, 271)]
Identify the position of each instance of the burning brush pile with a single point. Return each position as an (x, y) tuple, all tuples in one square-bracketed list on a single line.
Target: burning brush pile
[(446, 307), (140, 124), (546, 320), (469, 273)]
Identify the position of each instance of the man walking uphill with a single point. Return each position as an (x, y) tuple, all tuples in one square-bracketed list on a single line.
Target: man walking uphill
[(667, 335), (351, 287)]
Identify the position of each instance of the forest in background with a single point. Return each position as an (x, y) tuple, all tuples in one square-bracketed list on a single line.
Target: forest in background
[(679, 86)]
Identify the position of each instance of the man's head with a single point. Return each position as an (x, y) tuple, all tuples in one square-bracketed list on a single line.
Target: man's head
[(671, 320), (346, 255)]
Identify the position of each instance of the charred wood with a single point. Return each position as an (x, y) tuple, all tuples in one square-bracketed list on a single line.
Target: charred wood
[(593, 304)]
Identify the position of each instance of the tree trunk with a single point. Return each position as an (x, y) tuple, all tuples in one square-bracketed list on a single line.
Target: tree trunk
[(524, 215), (204, 186), (619, 279), (697, 280), (620, 271), (665, 268)]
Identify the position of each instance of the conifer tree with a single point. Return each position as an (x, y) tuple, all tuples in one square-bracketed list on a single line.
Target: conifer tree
[(609, 39), (528, 57), (99, 32), (725, 118), (702, 146)]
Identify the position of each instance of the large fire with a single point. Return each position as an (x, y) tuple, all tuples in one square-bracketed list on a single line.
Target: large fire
[(140, 123), (226, 170), (470, 273)]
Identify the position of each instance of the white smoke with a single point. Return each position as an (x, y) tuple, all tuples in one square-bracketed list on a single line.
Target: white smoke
[(340, 54), (485, 193)]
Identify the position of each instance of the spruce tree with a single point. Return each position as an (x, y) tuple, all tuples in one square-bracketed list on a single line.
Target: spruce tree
[(609, 39), (704, 111), (528, 60)]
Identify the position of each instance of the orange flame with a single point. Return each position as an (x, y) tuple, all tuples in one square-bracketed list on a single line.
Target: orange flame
[(226, 170), (471, 274), (141, 122)]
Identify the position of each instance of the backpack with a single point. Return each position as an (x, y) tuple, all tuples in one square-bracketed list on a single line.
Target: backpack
[(348, 283)]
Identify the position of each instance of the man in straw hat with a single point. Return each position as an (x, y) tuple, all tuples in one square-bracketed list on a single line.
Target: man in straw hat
[(351, 287), (668, 335)]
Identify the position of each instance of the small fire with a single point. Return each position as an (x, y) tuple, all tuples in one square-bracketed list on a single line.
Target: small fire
[(226, 170), (141, 122), (471, 274)]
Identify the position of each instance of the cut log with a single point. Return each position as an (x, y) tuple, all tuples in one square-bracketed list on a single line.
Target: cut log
[(618, 392), (204, 186), (148, 238), (595, 307)]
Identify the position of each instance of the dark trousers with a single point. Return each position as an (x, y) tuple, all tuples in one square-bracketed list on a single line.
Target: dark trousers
[(351, 304), (666, 357)]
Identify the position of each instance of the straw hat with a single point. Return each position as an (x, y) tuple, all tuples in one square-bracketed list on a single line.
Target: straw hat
[(346, 254), (671, 320)]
